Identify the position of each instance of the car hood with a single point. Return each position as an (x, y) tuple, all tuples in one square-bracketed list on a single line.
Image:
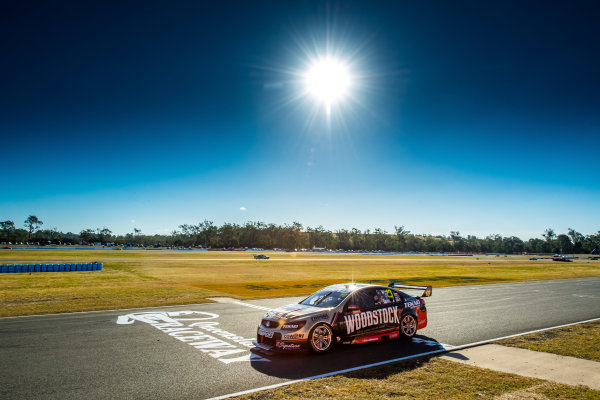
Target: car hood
[(292, 311)]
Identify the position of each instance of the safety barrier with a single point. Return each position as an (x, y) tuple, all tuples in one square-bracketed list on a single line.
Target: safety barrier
[(26, 268)]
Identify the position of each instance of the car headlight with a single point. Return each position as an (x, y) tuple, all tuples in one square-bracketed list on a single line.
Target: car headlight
[(292, 326)]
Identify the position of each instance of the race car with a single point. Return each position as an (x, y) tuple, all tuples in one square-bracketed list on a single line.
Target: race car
[(348, 313), (261, 257)]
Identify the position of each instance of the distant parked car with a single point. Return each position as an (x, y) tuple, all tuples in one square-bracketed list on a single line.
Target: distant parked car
[(261, 257), (561, 258)]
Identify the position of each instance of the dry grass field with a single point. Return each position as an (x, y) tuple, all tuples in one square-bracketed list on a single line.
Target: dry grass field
[(154, 278), (563, 341), (426, 379)]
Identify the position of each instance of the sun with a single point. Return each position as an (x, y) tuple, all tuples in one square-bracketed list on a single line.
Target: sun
[(328, 80)]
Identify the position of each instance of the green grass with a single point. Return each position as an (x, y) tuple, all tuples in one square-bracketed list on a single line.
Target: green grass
[(433, 379), (155, 278), (563, 341)]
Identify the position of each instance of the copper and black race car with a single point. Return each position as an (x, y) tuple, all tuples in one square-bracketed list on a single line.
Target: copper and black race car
[(344, 313)]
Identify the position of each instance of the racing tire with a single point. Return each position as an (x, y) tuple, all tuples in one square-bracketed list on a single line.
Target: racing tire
[(408, 326), (320, 338)]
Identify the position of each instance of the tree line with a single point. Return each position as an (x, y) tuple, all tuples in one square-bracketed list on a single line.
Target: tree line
[(295, 237)]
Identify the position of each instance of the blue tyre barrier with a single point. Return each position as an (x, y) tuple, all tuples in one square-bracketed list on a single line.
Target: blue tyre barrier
[(27, 268)]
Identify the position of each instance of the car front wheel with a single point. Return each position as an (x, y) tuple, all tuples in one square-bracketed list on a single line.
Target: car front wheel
[(320, 338), (408, 326)]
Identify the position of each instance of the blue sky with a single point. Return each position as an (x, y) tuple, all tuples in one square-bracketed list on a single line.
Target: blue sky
[(478, 117)]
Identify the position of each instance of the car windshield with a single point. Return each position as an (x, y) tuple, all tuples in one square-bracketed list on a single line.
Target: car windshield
[(325, 298)]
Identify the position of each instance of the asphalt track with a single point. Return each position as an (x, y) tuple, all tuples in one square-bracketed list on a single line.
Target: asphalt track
[(146, 353)]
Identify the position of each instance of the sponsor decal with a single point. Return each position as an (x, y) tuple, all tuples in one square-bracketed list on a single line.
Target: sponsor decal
[(190, 327), (375, 338), (411, 304), (267, 334), (286, 346), (296, 325), (294, 336), (320, 317), (355, 322)]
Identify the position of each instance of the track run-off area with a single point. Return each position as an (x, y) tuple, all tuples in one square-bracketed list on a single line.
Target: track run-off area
[(138, 353)]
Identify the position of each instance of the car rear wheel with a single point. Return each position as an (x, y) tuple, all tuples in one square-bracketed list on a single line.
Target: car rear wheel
[(408, 326), (320, 339)]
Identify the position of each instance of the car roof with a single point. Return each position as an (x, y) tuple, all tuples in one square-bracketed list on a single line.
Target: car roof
[(350, 286)]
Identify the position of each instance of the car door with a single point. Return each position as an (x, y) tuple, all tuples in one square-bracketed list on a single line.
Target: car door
[(363, 314)]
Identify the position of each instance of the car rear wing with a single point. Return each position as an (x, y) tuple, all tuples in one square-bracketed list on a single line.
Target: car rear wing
[(426, 293)]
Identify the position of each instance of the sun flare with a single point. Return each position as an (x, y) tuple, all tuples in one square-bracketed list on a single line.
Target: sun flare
[(328, 81)]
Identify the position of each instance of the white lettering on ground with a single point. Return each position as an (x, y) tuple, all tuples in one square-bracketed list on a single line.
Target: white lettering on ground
[(188, 327)]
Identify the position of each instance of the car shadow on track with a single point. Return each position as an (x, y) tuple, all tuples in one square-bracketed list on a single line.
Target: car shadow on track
[(303, 365)]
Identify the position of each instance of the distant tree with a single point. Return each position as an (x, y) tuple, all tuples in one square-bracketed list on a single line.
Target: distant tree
[(549, 234), (32, 223), (87, 235), (549, 245), (564, 244), (104, 234), (7, 226), (137, 236), (401, 236), (8, 229), (578, 240)]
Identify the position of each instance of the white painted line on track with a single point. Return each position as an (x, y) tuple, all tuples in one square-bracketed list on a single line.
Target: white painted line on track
[(101, 311), (241, 303), (310, 378), (429, 353)]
